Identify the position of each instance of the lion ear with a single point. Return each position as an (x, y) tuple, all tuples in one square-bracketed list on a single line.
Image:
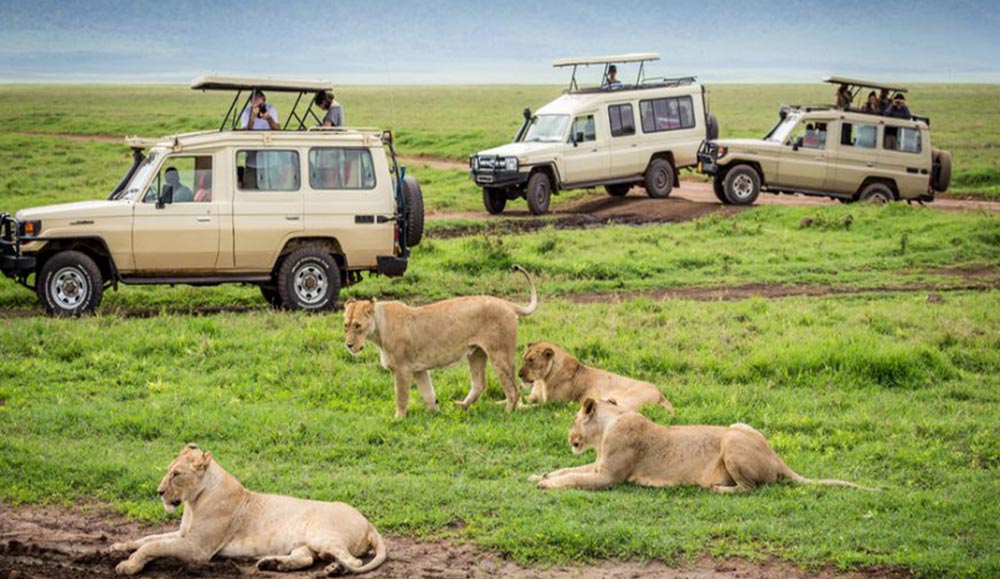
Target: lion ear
[(549, 352), (350, 301), (589, 406), (192, 446), (372, 299), (206, 459)]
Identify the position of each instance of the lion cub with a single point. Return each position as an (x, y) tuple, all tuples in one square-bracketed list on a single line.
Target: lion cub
[(413, 341), (632, 448), (221, 517), (556, 376)]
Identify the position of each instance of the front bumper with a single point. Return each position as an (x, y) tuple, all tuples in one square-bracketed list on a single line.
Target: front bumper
[(12, 262), (390, 265), (708, 159), (498, 178)]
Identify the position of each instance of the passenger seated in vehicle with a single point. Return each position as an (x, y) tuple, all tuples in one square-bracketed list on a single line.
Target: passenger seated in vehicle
[(811, 139), (180, 193), (334, 112), (204, 193), (872, 105), (842, 97), (265, 116), (612, 82), (898, 107)]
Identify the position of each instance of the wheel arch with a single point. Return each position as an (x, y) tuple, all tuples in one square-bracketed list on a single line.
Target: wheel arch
[(890, 183), (330, 244), (737, 162), (551, 171), (93, 247)]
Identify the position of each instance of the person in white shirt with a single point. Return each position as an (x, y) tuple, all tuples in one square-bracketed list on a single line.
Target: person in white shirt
[(612, 82), (334, 112), (265, 116)]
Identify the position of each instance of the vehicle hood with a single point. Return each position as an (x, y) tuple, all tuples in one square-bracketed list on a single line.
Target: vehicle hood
[(747, 144), (79, 209), (520, 149)]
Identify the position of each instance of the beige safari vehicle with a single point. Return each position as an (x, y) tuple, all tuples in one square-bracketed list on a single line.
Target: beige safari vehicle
[(300, 212), (839, 152), (614, 135)]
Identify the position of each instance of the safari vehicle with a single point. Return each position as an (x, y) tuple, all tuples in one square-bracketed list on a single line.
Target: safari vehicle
[(614, 135), (299, 212), (842, 153)]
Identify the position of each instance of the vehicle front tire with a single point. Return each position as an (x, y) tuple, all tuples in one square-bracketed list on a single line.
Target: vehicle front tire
[(414, 211), (719, 188), (742, 185), (69, 284), (309, 280), (659, 179), (876, 194), (618, 189), (495, 200), (539, 193)]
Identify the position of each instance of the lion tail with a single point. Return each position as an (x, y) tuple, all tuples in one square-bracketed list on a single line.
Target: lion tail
[(533, 304), (378, 543), (830, 482)]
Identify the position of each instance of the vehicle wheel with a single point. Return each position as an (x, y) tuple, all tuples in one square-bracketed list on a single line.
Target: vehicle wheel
[(742, 185), (539, 193), (69, 284), (846, 200), (495, 200), (711, 127), (270, 294), (876, 193), (942, 168), (309, 279), (618, 189), (718, 187), (414, 211), (659, 179)]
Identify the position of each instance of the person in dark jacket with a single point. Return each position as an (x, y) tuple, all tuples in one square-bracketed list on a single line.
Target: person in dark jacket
[(872, 105), (898, 107)]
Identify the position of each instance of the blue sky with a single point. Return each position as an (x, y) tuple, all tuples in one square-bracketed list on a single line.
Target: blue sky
[(503, 41)]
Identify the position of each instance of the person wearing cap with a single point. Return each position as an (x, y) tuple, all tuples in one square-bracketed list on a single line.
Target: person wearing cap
[(264, 116), (612, 82), (898, 107), (872, 105), (334, 112)]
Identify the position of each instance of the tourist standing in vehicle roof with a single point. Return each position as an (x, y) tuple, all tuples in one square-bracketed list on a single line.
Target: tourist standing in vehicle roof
[(265, 116), (612, 82), (334, 112), (898, 107), (872, 105)]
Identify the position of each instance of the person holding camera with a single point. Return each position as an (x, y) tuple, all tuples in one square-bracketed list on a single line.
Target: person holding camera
[(334, 112), (263, 115)]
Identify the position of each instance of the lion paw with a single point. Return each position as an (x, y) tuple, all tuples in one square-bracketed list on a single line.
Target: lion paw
[(535, 477), (128, 567), (120, 547)]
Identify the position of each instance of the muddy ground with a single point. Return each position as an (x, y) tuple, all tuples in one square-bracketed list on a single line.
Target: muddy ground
[(52, 542)]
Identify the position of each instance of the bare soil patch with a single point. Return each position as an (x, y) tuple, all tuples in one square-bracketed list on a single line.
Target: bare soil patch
[(51, 542)]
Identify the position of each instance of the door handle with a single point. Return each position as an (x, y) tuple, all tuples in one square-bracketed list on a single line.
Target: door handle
[(634, 145), (818, 159), (291, 218), (869, 164), (204, 219)]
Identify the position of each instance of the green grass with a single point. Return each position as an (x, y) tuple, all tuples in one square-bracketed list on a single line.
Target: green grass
[(882, 390)]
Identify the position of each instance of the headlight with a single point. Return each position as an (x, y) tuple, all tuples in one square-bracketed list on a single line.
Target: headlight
[(721, 152), (474, 162), (30, 229), (510, 164)]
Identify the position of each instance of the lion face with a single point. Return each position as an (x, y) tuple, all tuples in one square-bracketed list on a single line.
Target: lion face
[(184, 477), (586, 430), (359, 323), (537, 362)]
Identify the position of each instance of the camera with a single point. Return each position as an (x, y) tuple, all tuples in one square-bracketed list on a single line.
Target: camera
[(261, 110)]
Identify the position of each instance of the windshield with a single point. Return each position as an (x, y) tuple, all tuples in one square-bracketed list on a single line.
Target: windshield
[(546, 129), (781, 131), (142, 173)]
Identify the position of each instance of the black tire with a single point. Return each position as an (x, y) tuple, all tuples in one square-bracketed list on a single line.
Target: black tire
[(942, 171), (271, 295), (539, 193), (718, 187), (69, 284), (309, 279), (414, 211), (711, 127), (618, 189), (659, 179), (876, 194), (495, 200), (741, 185)]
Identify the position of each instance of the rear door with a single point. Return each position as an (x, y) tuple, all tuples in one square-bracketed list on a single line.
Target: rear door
[(589, 159), (267, 205), (804, 160), (627, 158), (905, 158), (854, 160)]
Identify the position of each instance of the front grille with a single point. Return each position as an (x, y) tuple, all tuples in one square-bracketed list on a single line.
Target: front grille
[(487, 163)]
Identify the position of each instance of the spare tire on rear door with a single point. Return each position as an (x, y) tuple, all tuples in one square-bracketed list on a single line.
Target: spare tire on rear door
[(711, 127), (942, 171), (414, 211)]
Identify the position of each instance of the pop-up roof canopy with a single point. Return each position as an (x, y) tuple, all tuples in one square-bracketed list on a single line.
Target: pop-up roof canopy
[(250, 84), (623, 58), (862, 83), (606, 61)]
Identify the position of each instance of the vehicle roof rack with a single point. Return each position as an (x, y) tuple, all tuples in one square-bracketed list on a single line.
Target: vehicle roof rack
[(250, 84), (641, 57)]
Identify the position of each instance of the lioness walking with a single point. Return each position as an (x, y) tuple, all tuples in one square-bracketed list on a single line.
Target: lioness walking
[(414, 340), (221, 517), (632, 448)]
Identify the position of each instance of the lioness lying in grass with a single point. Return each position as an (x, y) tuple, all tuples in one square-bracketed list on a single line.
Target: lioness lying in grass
[(556, 376), (412, 341), (632, 448), (221, 517)]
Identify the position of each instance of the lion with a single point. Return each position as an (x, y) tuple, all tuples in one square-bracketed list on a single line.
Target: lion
[(223, 518), (632, 448), (414, 340), (556, 376)]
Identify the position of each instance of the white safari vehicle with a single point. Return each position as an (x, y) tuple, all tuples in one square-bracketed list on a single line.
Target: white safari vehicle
[(299, 211), (615, 135)]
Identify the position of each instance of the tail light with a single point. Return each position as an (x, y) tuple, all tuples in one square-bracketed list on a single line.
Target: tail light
[(395, 239)]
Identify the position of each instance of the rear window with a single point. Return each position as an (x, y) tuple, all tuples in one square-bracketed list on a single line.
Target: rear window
[(902, 139), (339, 168), (667, 114)]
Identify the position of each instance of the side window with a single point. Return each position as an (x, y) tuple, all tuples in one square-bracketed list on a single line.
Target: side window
[(584, 129), (622, 121), (667, 114), (267, 170), (331, 168), (810, 135), (902, 139), (859, 135), (183, 179)]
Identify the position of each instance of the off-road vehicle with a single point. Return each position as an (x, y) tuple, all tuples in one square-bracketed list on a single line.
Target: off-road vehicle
[(839, 152), (615, 134), (300, 212)]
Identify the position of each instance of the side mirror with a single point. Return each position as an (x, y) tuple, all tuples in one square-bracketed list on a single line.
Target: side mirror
[(577, 139), (527, 114), (796, 144), (166, 196)]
